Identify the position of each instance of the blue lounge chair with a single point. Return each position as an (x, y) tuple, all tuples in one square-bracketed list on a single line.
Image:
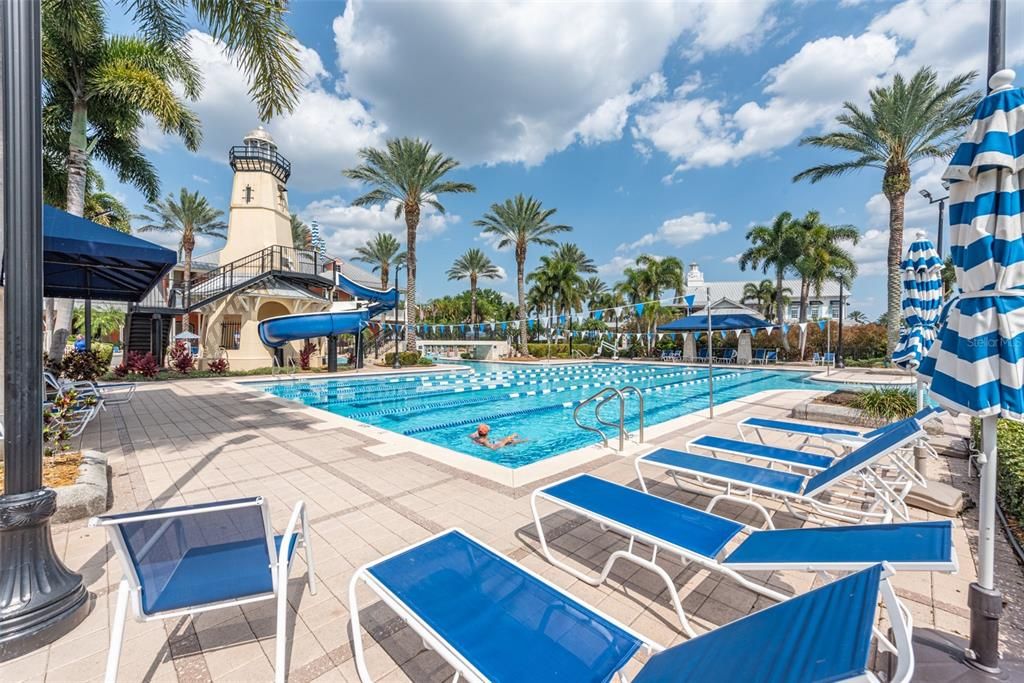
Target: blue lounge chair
[(728, 355), (816, 359), (195, 558), (702, 353), (759, 355), (701, 537), (829, 358), (494, 620), (833, 436), (876, 499), (771, 357)]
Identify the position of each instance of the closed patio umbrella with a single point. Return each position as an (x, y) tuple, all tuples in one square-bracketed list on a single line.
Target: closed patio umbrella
[(922, 301), (976, 365)]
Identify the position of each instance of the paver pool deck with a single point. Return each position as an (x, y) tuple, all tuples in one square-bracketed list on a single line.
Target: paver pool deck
[(201, 440)]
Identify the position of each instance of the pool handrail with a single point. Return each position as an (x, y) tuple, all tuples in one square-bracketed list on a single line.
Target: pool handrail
[(613, 392)]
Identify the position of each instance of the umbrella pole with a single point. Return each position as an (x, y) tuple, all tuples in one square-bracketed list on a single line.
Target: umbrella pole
[(983, 599), (711, 369)]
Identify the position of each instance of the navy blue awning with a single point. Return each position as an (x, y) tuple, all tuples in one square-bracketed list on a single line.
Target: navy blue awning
[(86, 260), (722, 321)]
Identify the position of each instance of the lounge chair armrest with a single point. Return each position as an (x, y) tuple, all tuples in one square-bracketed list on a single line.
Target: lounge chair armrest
[(290, 531)]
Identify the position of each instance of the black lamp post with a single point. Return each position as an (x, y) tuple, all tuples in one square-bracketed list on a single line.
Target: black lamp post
[(396, 364), (941, 201), (842, 313), (40, 598)]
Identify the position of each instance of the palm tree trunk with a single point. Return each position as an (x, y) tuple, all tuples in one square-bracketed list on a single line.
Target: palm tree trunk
[(188, 243), (78, 161), (412, 219), (385, 275), (894, 282), (472, 299), (780, 312), (521, 286), (805, 293)]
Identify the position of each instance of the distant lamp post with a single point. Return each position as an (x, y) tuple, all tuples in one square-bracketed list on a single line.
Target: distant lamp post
[(396, 364), (941, 201), (840, 364)]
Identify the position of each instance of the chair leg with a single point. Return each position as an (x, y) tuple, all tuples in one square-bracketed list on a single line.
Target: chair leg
[(307, 545), (117, 632), (281, 632)]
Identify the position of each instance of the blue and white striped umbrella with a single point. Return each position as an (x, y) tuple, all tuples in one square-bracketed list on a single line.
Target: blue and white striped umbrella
[(922, 301), (977, 366)]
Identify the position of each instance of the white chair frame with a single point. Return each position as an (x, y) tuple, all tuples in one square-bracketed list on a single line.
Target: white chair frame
[(130, 588)]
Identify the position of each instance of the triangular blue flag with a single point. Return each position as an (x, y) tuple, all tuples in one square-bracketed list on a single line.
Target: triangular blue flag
[(785, 329), (504, 326), (689, 299), (753, 331), (821, 325), (724, 334), (598, 315), (639, 308)]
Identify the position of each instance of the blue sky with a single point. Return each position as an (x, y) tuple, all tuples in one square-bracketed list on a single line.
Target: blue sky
[(659, 128)]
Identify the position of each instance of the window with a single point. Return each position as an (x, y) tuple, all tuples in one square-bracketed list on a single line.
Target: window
[(231, 332), (815, 310), (833, 307), (794, 312)]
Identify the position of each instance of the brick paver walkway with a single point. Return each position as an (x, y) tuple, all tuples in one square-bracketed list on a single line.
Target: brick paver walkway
[(195, 441)]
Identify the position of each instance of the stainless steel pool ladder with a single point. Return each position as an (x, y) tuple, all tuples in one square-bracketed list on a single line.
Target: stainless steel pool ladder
[(276, 368), (605, 395)]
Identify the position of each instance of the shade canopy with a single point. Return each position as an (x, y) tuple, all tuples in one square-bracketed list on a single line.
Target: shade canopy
[(719, 322), (922, 302), (85, 260)]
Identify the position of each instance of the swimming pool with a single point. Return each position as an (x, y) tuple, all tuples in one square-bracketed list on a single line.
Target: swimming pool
[(444, 407)]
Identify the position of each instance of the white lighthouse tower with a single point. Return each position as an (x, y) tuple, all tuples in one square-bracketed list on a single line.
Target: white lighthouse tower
[(258, 215)]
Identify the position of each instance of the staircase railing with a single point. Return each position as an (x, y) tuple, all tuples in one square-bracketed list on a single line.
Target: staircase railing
[(605, 395)]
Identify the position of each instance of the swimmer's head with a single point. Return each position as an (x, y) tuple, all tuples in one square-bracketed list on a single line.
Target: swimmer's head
[(483, 430)]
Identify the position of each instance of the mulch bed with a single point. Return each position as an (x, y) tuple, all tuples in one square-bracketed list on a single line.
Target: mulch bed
[(838, 398), (58, 470)]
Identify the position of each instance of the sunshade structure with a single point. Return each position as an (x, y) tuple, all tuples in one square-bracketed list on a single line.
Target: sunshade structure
[(719, 322), (85, 260), (922, 301), (976, 365)]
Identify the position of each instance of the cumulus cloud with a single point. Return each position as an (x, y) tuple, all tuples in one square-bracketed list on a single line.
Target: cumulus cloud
[(513, 82), (345, 227), (803, 92), (321, 136), (680, 231), (615, 266)]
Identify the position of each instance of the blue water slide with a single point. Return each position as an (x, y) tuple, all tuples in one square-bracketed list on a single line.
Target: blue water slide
[(276, 332)]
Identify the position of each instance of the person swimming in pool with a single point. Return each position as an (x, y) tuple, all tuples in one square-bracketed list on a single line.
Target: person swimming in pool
[(480, 437)]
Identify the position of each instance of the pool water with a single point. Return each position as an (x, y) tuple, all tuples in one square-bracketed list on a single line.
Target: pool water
[(536, 402)]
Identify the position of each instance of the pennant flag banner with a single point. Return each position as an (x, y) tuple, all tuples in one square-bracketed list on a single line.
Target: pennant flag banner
[(504, 327), (753, 331), (598, 315), (639, 308), (724, 334), (785, 329), (821, 324), (802, 326), (768, 330), (561, 320), (690, 298)]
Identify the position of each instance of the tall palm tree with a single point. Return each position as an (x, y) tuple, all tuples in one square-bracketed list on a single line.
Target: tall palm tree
[(302, 236), (108, 210), (593, 288), (763, 293), (857, 317), (519, 222), (474, 264), (192, 216), (409, 174), (773, 246), (661, 273), (820, 252), (571, 253), (382, 252), (908, 121)]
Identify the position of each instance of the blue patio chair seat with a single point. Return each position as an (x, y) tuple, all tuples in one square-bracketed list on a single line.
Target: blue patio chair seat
[(824, 635), (775, 480), (792, 427), (758, 451), (488, 608)]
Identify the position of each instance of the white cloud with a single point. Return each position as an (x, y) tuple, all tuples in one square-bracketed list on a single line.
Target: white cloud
[(511, 81), (321, 136), (735, 258), (200, 179), (502, 275), (680, 231), (346, 227), (803, 92), (609, 120), (615, 266)]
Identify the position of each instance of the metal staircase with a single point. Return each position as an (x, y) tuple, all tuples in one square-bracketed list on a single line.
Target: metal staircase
[(602, 397)]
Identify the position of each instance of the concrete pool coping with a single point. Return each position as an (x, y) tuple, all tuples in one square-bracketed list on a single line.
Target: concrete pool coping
[(390, 443)]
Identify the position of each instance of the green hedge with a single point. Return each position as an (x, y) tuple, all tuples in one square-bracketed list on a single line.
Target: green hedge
[(560, 350), (406, 358), (1010, 441)]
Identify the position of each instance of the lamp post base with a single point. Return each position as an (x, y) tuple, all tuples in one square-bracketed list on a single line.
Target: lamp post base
[(40, 598), (943, 658)]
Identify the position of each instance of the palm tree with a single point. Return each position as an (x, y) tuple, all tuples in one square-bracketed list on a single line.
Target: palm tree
[(857, 317), (908, 121), (593, 288), (571, 253), (519, 222), (382, 252), (645, 282), (104, 320), (302, 236), (409, 174), (108, 210), (773, 246), (474, 264), (821, 254), (192, 216), (763, 293)]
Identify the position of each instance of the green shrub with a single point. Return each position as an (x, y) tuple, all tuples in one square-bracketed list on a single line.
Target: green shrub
[(887, 403), (105, 352), (405, 358), (83, 366), (1010, 441)]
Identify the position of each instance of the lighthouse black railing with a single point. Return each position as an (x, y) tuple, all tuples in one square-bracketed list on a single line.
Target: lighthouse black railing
[(252, 158)]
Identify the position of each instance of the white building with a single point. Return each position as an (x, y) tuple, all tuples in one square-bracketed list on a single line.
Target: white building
[(826, 305)]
